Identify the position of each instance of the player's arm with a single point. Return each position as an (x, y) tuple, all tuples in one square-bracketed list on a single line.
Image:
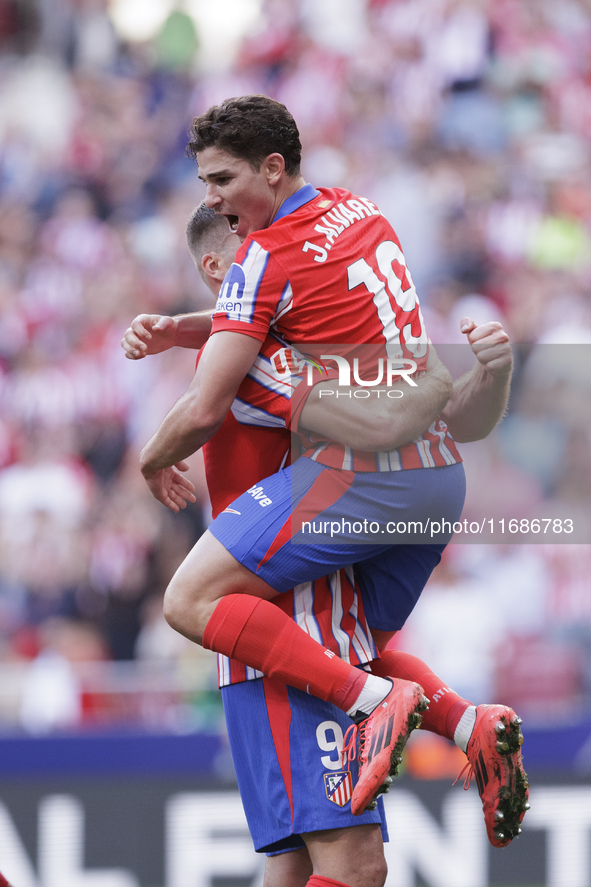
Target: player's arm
[(378, 422), (154, 333), (195, 418), (480, 397)]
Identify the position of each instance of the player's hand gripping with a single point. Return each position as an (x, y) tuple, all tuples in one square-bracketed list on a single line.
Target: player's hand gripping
[(149, 334), (490, 344), (170, 487)]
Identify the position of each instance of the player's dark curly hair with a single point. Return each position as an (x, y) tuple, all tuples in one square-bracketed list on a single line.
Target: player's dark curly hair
[(249, 127)]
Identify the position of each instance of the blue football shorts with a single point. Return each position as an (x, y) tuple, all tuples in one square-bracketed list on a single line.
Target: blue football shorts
[(392, 525), (286, 750)]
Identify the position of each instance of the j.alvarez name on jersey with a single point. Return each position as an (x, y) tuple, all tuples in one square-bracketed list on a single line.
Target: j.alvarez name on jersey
[(338, 219), (361, 294)]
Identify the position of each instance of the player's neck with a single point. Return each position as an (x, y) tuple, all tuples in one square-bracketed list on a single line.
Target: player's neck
[(288, 188)]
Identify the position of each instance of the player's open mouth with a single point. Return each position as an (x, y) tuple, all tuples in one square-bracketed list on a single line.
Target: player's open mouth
[(233, 223)]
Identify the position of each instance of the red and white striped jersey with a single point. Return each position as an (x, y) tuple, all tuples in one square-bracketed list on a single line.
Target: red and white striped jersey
[(264, 397), (329, 269), (330, 610), (434, 449)]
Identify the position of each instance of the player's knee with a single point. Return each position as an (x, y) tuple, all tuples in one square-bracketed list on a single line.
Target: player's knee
[(353, 855), (377, 872), (170, 608), (173, 607), (370, 863), (370, 870), (183, 611)]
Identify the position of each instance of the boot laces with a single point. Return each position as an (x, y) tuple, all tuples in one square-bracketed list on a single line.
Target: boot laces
[(349, 750), (468, 777), (355, 736)]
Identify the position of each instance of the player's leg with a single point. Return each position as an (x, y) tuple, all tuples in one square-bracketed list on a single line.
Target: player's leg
[(241, 623), (449, 714), (391, 584), (350, 856), (219, 594), (320, 881), (290, 869), (489, 735)]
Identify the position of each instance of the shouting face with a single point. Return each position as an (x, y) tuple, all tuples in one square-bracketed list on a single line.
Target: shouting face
[(247, 197)]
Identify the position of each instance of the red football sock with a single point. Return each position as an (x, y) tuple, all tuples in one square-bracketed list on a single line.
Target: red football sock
[(319, 881), (260, 635), (445, 708)]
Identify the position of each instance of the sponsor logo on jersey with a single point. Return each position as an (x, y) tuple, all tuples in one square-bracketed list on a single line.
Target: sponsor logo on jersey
[(232, 291), (259, 494), (339, 787)]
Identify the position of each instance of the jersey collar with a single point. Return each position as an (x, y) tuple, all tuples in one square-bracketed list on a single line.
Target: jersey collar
[(304, 195)]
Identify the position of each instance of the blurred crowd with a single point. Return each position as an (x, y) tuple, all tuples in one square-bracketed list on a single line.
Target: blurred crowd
[(468, 122)]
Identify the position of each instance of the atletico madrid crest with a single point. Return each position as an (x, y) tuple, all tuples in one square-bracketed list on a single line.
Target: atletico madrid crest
[(339, 787)]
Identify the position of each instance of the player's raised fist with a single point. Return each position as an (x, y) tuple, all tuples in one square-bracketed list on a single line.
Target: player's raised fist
[(149, 334), (490, 343)]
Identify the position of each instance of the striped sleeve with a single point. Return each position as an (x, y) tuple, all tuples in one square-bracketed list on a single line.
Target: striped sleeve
[(254, 293)]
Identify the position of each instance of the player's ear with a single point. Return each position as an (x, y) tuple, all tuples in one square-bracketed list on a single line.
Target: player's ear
[(213, 267), (274, 168)]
